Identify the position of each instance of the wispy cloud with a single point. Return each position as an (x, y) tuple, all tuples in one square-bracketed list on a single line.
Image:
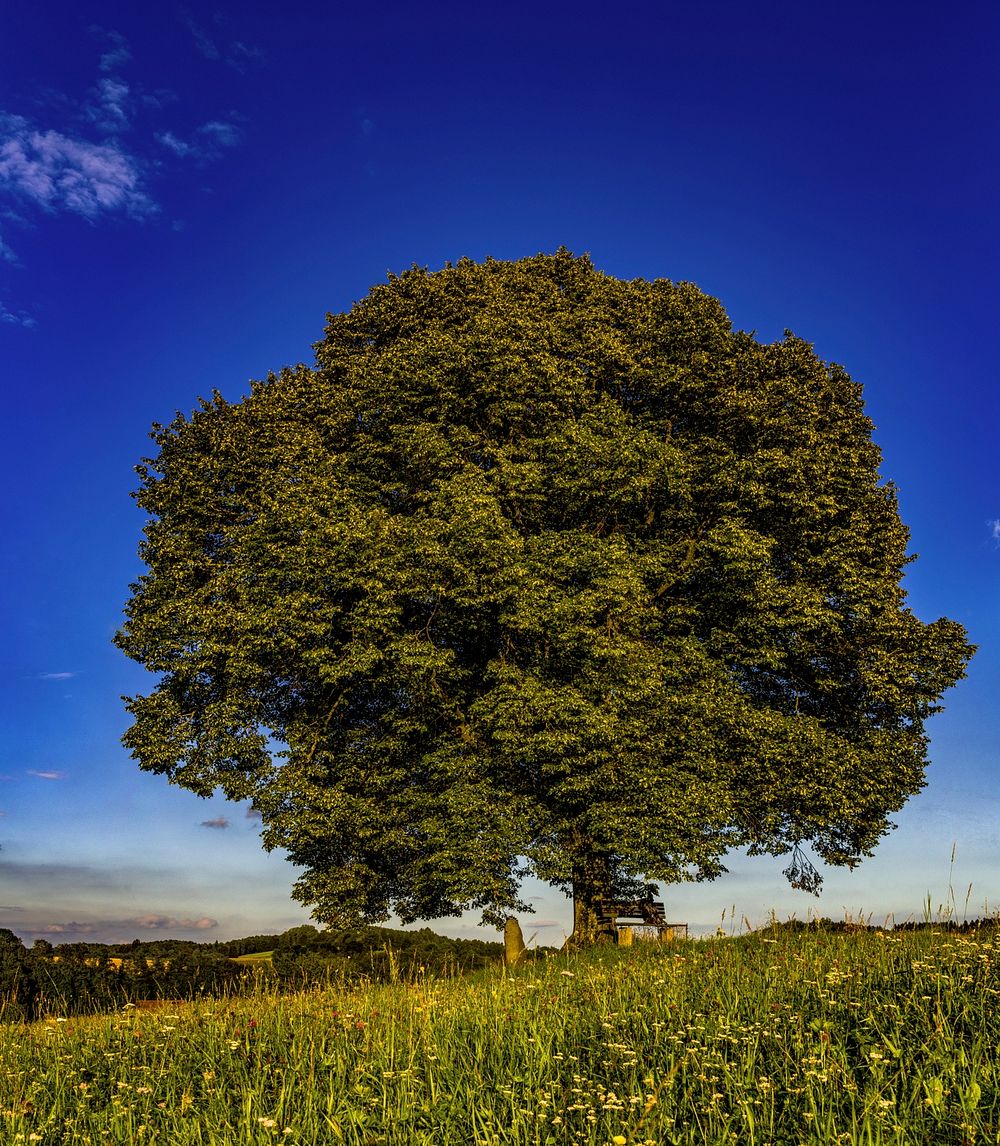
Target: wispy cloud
[(995, 530), (254, 814), (214, 46), (46, 775), (172, 143), (16, 318), (219, 133), (160, 922), (7, 254), (218, 822), (243, 56), (58, 173), (80, 163), (117, 53), (56, 675), (110, 113), (150, 922), (36, 882), (206, 144), (202, 40), (71, 928)]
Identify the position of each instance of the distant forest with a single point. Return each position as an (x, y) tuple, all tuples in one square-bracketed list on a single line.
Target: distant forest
[(85, 978)]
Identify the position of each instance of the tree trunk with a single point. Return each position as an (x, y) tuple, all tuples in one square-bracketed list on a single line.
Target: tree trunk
[(592, 896)]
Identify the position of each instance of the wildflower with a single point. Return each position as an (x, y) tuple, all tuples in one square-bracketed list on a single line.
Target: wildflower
[(619, 1140), (568, 974), (267, 1123)]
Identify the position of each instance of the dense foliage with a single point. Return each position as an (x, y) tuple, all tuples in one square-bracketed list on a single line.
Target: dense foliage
[(80, 978), (380, 954), (84, 978), (248, 945), (536, 571)]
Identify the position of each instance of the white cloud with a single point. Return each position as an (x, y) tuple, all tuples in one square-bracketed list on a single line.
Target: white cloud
[(117, 54), (220, 133), (71, 928), (207, 143), (218, 822), (242, 56), (56, 675), (203, 41), (154, 922), (16, 318), (7, 255), (238, 54), (995, 529), (46, 775), (59, 173), (111, 112), (150, 922), (177, 146)]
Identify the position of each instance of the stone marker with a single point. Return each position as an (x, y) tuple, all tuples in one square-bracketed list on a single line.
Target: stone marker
[(513, 943)]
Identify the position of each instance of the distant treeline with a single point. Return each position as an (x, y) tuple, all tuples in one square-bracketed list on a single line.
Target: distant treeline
[(305, 955), (964, 927), (82, 978)]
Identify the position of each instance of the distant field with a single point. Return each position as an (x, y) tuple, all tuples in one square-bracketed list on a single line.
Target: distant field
[(776, 1039), (257, 957)]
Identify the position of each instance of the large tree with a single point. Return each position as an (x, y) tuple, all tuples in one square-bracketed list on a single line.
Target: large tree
[(535, 571)]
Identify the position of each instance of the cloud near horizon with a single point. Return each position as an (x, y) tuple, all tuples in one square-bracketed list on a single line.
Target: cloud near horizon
[(149, 922)]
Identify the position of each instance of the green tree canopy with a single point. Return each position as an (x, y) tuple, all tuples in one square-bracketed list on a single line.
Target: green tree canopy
[(535, 571)]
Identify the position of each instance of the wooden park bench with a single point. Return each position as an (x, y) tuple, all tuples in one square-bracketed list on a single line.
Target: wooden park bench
[(622, 917)]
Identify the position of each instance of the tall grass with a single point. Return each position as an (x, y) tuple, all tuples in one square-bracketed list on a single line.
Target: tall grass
[(770, 1038)]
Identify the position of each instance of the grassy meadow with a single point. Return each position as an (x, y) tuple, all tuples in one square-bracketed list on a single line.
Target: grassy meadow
[(769, 1038)]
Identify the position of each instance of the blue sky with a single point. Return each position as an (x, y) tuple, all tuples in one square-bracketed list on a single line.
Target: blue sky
[(185, 191)]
